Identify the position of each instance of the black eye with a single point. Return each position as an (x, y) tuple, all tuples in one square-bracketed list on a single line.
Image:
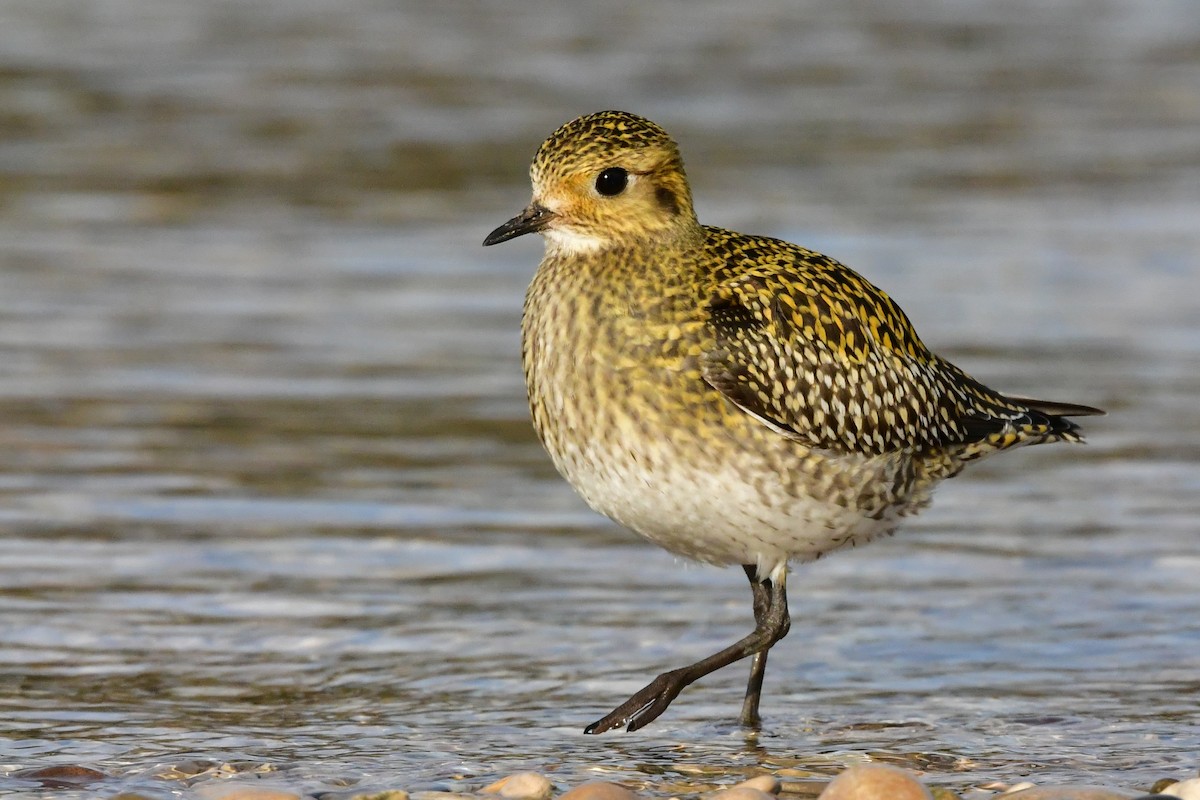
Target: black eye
[(612, 181)]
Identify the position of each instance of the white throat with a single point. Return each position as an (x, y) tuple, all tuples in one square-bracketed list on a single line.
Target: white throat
[(562, 242)]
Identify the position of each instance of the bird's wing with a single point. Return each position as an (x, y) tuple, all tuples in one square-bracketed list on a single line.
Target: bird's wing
[(819, 354)]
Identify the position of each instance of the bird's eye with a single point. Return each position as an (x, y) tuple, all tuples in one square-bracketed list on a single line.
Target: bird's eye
[(612, 181)]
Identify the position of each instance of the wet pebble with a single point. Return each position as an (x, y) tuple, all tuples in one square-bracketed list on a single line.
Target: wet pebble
[(741, 793), (434, 786), (234, 791), (194, 766), (764, 783), (197, 768), (63, 776), (1187, 790), (521, 786), (875, 782), (1066, 792), (599, 790)]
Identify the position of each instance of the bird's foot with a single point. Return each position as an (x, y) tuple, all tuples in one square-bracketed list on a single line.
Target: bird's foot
[(646, 705), (749, 718)]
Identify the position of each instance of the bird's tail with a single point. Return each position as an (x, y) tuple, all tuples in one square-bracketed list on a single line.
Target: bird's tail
[(1037, 422), (1053, 419)]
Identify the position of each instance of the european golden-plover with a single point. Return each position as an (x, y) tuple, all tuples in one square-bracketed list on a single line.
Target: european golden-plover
[(736, 399)]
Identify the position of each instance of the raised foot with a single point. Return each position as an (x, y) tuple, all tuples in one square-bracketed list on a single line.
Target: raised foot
[(646, 705)]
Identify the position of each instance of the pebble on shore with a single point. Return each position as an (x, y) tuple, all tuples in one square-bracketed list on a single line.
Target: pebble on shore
[(599, 790), (1066, 792), (764, 783), (521, 786), (236, 791), (1185, 790), (875, 782), (741, 793)]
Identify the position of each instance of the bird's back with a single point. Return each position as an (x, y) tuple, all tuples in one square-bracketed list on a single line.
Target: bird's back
[(821, 355)]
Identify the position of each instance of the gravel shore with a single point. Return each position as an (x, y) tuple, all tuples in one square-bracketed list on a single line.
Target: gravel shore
[(212, 781)]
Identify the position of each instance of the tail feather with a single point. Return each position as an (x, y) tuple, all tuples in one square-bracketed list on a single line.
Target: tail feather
[(1055, 417), (1053, 409)]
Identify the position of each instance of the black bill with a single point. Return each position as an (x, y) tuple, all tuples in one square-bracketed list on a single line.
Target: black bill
[(531, 220)]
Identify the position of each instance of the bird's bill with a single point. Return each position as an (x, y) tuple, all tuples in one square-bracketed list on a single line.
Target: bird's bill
[(533, 219)]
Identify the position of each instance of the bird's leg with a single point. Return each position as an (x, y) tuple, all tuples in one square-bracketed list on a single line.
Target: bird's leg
[(646, 705), (758, 664)]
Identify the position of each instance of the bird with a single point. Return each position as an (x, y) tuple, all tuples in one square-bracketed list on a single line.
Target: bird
[(736, 399)]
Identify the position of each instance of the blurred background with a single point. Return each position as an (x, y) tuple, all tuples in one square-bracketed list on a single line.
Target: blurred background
[(270, 498)]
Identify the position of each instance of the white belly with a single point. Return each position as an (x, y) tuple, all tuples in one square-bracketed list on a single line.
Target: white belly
[(709, 510)]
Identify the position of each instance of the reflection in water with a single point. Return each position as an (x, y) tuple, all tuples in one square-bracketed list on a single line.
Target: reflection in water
[(270, 494)]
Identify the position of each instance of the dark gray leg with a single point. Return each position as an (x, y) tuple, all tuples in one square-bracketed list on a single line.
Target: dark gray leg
[(758, 664), (771, 624)]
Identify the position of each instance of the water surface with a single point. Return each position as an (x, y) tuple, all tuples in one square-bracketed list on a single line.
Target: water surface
[(270, 495)]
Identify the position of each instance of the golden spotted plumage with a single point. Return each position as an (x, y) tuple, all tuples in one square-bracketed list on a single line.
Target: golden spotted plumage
[(736, 399)]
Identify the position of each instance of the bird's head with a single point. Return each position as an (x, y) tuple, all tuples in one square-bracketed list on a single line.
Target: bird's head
[(604, 180)]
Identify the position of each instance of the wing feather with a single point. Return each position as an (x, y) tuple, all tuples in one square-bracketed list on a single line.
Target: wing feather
[(819, 354)]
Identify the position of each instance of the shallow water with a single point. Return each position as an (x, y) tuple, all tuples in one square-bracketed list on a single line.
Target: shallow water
[(270, 493)]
